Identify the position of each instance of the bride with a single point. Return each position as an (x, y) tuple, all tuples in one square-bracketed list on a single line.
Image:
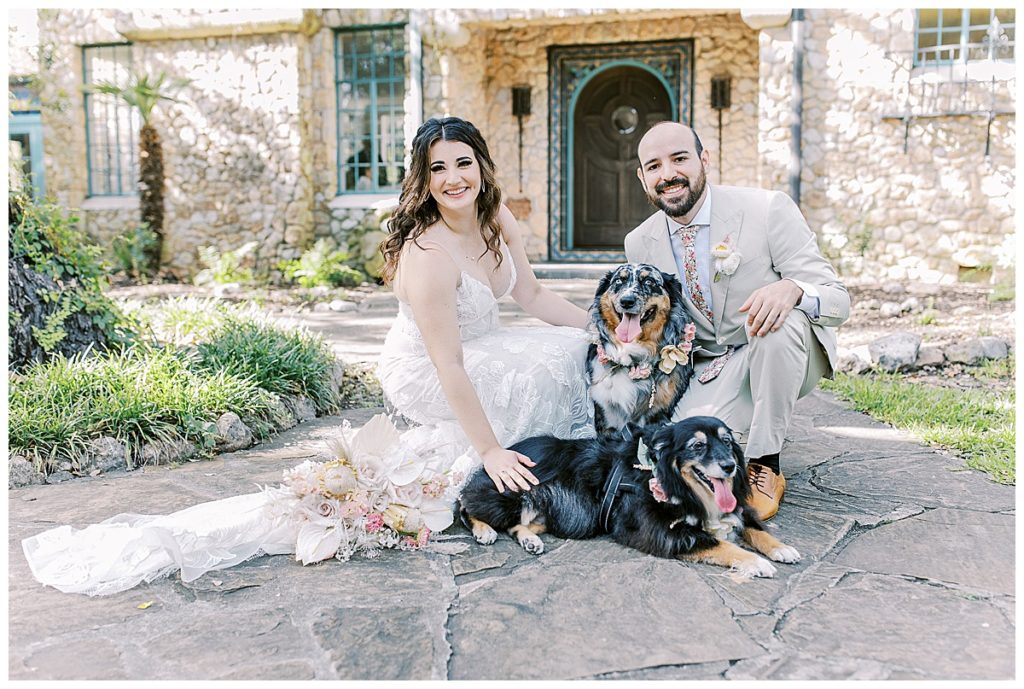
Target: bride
[(472, 387), (453, 251)]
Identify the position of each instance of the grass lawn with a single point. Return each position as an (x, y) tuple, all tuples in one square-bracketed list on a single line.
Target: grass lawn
[(976, 424)]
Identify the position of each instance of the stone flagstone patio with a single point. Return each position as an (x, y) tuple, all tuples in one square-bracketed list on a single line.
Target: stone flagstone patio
[(907, 573)]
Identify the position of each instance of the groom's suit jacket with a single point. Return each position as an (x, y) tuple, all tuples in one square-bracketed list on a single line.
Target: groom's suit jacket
[(774, 241)]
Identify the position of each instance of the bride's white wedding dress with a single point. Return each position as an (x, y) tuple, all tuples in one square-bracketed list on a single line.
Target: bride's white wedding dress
[(530, 381)]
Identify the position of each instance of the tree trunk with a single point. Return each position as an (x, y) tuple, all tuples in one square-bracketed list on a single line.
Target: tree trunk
[(151, 188), (26, 309)]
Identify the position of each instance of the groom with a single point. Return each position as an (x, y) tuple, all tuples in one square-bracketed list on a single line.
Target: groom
[(764, 299)]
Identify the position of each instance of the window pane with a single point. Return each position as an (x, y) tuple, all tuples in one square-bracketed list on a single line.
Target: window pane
[(980, 17), (952, 18), (1005, 16), (950, 38), (927, 19), (926, 40)]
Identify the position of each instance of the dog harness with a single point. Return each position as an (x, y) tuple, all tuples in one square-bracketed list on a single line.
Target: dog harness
[(613, 485)]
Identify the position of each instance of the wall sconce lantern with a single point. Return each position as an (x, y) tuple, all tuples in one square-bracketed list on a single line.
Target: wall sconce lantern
[(520, 109), (721, 99)]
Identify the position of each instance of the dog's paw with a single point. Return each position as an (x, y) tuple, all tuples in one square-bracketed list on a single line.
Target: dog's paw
[(484, 534), (531, 543), (784, 553), (755, 567)]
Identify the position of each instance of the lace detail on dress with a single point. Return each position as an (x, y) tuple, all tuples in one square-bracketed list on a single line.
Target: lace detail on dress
[(530, 380)]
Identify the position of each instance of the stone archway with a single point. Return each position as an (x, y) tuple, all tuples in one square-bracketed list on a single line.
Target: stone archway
[(603, 84)]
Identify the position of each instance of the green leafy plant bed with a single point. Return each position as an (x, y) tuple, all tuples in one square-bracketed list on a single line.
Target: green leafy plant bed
[(242, 340), (291, 362), (207, 358), (977, 424), (140, 396)]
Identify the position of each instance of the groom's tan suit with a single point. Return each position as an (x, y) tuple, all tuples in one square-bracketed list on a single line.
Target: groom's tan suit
[(758, 387)]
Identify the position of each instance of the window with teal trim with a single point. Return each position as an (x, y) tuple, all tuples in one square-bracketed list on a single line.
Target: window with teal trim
[(947, 36), (111, 125), (370, 88)]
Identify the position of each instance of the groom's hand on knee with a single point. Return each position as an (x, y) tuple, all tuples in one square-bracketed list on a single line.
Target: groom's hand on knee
[(768, 307)]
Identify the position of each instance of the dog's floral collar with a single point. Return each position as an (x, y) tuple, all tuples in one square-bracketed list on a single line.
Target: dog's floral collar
[(672, 355), (643, 457), (645, 464), (726, 260), (636, 371)]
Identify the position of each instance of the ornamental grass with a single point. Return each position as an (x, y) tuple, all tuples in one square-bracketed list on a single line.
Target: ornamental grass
[(138, 396)]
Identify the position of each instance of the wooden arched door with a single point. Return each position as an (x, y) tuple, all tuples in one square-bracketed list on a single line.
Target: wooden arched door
[(612, 113)]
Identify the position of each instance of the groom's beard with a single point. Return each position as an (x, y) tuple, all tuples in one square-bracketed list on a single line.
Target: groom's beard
[(677, 208)]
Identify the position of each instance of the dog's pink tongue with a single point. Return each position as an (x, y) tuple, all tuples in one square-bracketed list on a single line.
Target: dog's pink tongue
[(724, 498), (629, 328)]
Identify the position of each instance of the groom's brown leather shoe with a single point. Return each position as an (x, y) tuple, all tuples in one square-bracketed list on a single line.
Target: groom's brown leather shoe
[(766, 489)]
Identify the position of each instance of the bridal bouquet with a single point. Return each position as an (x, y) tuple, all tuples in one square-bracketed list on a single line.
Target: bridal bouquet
[(375, 493)]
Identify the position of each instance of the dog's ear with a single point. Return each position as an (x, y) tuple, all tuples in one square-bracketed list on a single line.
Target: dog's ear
[(673, 286), (678, 320), (737, 452), (648, 433), (740, 488), (602, 287), (665, 466)]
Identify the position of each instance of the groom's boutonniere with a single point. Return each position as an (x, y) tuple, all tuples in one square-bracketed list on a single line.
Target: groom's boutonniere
[(726, 260)]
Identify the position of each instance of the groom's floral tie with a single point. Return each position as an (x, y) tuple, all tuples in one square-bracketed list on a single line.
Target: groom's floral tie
[(688, 235)]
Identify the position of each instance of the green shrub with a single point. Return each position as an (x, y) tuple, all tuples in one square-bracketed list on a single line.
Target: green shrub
[(184, 321), (283, 361), (239, 338), (323, 264), (132, 249), (224, 267), (138, 396)]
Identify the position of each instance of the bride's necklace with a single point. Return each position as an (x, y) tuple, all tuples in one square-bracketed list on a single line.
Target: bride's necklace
[(475, 258)]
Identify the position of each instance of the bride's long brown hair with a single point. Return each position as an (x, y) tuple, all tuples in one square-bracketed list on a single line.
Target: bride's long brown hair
[(417, 209)]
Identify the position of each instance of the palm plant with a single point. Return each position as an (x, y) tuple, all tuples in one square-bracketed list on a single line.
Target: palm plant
[(143, 94)]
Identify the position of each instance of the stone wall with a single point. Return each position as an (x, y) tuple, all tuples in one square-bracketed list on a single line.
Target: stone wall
[(61, 34), (232, 145), (927, 213), (250, 152)]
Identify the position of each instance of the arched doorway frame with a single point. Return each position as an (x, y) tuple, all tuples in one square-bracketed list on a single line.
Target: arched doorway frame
[(569, 239), (570, 68)]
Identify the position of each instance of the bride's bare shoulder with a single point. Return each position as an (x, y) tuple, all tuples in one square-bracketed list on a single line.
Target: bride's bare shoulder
[(425, 261)]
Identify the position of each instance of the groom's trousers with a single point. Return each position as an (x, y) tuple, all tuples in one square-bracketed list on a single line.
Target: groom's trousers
[(757, 389)]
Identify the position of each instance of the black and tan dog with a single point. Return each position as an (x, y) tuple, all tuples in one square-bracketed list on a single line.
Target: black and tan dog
[(676, 490), (640, 364)]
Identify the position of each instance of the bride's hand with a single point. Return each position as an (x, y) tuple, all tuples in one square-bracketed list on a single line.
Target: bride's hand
[(508, 469)]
